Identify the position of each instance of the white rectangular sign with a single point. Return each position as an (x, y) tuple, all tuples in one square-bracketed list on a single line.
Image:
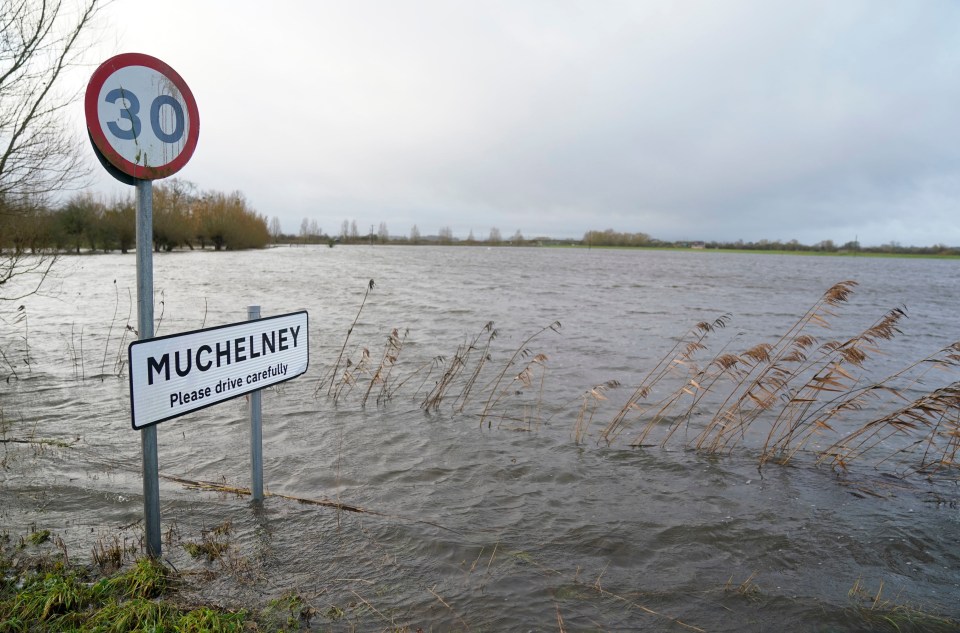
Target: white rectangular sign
[(173, 375)]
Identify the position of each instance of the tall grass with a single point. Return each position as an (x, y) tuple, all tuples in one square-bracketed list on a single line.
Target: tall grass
[(331, 378), (800, 393)]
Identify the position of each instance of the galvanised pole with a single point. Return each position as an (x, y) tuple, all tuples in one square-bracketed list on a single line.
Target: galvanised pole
[(148, 435), (256, 431)]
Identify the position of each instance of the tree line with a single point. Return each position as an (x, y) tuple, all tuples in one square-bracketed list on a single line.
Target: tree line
[(311, 233), (182, 218), (609, 237), (350, 233)]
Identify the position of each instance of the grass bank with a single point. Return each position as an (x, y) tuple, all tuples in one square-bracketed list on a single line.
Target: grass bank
[(42, 590)]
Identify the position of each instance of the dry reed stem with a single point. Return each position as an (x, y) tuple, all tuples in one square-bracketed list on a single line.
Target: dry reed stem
[(934, 414), (373, 608), (484, 356), (447, 605), (352, 375), (799, 389), (522, 350), (458, 363), (336, 366), (767, 376), (803, 389), (523, 380), (853, 400), (391, 355), (830, 377), (591, 396), (636, 605), (681, 352), (212, 486)]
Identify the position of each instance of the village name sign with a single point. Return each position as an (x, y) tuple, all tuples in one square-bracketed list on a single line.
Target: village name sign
[(173, 375)]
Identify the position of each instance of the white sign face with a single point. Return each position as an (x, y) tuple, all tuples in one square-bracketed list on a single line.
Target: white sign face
[(173, 375), (141, 116)]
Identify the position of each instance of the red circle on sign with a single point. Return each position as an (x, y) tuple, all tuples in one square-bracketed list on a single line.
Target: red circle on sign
[(172, 157)]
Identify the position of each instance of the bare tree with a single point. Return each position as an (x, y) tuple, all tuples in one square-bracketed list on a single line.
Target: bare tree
[(40, 40), (276, 230), (445, 236)]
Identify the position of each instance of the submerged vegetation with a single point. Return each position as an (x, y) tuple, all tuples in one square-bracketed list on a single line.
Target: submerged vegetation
[(799, 394), (46, 593)]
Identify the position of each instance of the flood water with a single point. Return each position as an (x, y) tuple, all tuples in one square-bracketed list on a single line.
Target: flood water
[(484, 512)]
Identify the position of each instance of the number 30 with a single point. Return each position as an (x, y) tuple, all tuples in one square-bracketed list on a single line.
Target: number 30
[(132, 109)]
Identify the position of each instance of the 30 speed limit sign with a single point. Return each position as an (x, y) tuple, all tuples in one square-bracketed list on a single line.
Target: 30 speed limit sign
[(141, 116)]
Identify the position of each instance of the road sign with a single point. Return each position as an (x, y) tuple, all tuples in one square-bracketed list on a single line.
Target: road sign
[(141, 116), (173, 375)]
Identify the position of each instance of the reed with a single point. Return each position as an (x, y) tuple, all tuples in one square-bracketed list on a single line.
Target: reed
[(930, 421), (496, 394), (109, 553), (770, 371), (331, 377), (591, 399), (813, 408), (76, 353), (427, 368), (882, 613), (113, 320), (389, 358), (163, 307), (352, 372), (680, 355), (22, 318), (796, 393), (450, 373), (483, 356), (11, 367), (524, 380), (458, 366)]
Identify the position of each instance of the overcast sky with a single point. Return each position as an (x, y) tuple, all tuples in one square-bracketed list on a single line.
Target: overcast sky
[(751, 119)]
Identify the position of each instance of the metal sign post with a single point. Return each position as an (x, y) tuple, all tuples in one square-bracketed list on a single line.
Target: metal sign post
[(176, 374), (256, 431), (143, 124), (148, 436)]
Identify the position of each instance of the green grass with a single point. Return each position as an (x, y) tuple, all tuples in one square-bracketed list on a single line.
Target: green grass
[(47, 595), (41, 592)]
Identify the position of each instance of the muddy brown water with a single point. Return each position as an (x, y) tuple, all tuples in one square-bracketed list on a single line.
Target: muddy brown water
[(507, 524)]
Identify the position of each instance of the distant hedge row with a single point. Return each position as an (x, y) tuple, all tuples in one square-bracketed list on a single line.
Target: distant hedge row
[(182, 218)]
